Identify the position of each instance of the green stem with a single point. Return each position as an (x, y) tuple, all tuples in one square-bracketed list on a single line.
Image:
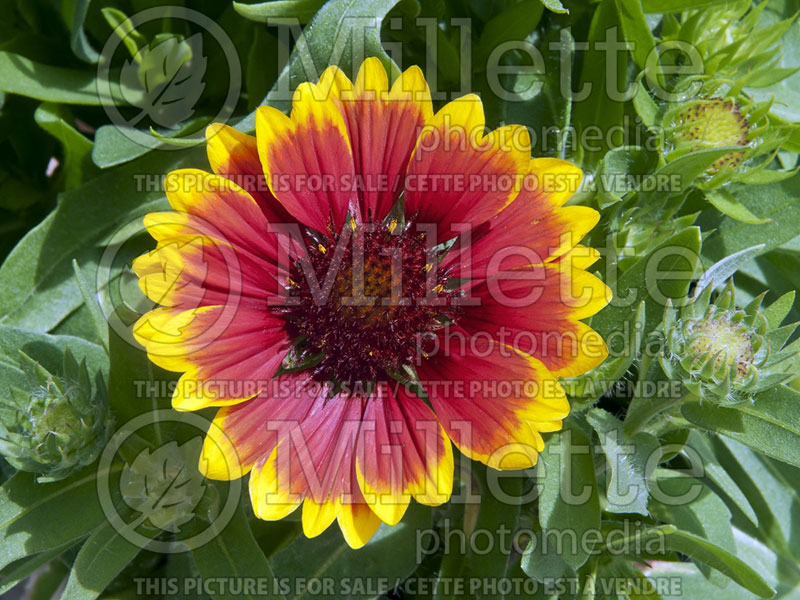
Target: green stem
[(588, 582), (637, 420)]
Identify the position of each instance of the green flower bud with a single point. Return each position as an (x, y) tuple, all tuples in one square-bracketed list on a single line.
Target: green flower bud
[(723, 353), (58, 424)]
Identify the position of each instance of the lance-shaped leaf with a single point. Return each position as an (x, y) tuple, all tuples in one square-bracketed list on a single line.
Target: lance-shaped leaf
[(569, 505), (770, 424), (699, 444), (627, 487)]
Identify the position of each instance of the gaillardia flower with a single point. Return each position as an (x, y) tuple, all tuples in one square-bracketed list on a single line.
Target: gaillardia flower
[(361, 283)]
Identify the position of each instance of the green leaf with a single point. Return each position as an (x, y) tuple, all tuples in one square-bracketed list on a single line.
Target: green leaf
[(259, 79), (112, 147), (37, 294), (540, 564), (501, 496), (303, 10), (715, 472), (615, 170), (554, 6), (668, 6), (37, 517), (590, 386), (683, 170), (100, 559), (645, 106), (691, 506), (766, 562), (622, 569), (538, 101), (722, 270), (648, 404), (727, 204), (24, 567), (181, 567), (600, 106), (693, 584), (568, 499), (765, 176), (640, 539), (49, 349), (783, 93), (769, 77), (514, 23), (770, 492), (776, 202), (627, 485), (118, 20), (20, 75), (677, 257), (74, 13), (234, 553), (777, 311), (720, 559), (55, 120), (637, 32), (337, 28), (118, 144), (129, 365), (174, 141), (89, 299), (662, 275), (770, 424)]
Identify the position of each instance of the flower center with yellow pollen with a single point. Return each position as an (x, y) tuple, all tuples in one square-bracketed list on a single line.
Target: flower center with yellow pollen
[(366, 301), (713, 123), (727, 342)]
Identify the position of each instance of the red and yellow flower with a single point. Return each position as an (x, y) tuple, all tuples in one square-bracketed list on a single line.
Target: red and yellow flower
[(361, 283)]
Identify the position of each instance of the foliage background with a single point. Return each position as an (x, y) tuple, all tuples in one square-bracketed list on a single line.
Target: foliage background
[(741, 538)]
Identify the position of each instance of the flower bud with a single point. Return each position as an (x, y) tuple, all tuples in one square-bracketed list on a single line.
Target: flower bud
[(710, 123), (58, 424), (723, 353)]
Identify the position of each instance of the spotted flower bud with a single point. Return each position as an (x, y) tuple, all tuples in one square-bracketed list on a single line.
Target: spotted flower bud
[(708, 123), (58, 423), (726, 354), (711, 123)]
